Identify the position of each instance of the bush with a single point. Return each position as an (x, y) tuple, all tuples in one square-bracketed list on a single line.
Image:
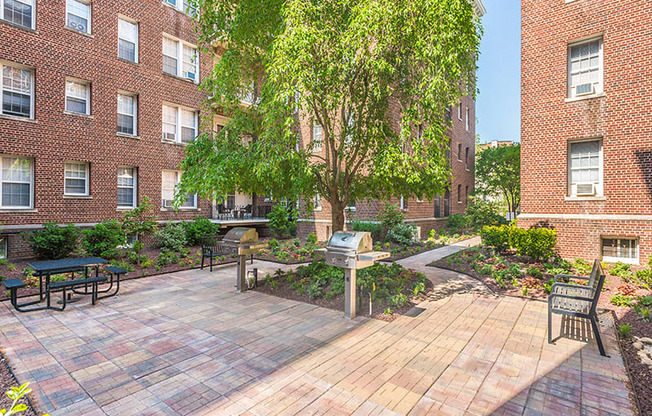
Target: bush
[(103, 239), (402, 234), (534, 272), (282, 221), (140, 220), (198, 229), (495, 237), (643, 278), (480, 213), (53, 242), (375, 228), (390, 216), (456, 224), (172, 237), (541, 244)]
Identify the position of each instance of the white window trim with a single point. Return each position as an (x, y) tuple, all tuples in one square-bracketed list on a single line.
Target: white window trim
[(4, 246), (86, 179), (599, 88), (317, 203), (134, 188), (126, 19), (31, 184), (135, 115), (609, 259), (315, 148), (31, 2), (178, 6), (88, 99), (599, 192), (89, 29), (468, 125), (177, 133), (401, 203), (179, 58), (31, 92), (178, 174), (459, 111)]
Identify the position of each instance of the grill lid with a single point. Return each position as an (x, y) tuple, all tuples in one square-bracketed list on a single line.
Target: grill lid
[(359, 242), (241, 235)]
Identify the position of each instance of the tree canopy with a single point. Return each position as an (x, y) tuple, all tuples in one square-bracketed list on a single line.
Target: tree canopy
[(376, 75), (498, 174)]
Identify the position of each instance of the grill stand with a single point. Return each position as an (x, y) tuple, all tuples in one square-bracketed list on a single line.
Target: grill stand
[(242, 274), (349, 293)]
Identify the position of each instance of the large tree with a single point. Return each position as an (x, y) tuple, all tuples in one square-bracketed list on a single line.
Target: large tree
[(376, 75), (498, 174)]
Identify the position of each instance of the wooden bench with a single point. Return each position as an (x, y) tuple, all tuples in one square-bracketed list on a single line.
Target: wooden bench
[(212, 247), (578, 300), (71, 284)]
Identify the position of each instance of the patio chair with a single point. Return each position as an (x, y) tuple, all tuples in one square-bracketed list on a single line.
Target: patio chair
[(247, 211), (578, 301), (212, 247)]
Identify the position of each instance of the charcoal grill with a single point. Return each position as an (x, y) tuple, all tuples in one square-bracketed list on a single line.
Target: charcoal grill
[(242, 241), (352, 251)]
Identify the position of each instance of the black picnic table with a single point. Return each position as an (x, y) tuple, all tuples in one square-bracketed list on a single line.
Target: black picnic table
[(49, 267)]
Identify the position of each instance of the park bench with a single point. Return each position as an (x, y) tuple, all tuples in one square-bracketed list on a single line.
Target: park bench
[(212, 247), (577, 300)]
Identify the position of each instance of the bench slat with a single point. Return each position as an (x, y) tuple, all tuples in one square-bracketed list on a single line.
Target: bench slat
[(79, 282)]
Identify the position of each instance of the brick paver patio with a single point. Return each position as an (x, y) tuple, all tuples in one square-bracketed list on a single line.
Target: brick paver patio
[(187, 343)]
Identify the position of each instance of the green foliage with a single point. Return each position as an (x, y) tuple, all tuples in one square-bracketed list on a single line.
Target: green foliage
[(645, 314), (15, 394), (375, 228), (282, 221), (622, 300), (498, 174), (312, 239), (166, 258), (456, 223), (623, 271), (547, 287), (534, 272), (103, 239), (172, 237), (541, 245), (53, 242), (645, 300), (199, 228), (140, 220), (402, 234), (390, 216), (480, 213), (497, 238), (582, 267), (122, 264), (643, 278), (625, 330)]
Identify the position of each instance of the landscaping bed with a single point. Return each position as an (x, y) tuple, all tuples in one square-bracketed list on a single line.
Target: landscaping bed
[(394, 289), (627, 293), (7, 381)]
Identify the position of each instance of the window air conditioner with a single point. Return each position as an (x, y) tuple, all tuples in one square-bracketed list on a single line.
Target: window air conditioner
[(584, 89), (189, 75), (167, 203), (585, 189)]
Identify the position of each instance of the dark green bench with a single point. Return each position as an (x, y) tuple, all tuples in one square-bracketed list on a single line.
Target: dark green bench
[(71, 284)]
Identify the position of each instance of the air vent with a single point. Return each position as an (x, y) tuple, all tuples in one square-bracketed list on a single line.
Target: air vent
[(584, 89), (585, 189), (189, 75)]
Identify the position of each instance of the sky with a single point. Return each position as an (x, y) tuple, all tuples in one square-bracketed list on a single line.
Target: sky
[(498, 105)]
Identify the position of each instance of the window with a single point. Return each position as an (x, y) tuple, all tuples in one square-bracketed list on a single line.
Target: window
[(127, 187), (620, 249), (467, 118), (17, 183), (17, 91), (466, 193), (585, 168), (466, 158), (127, 114), (317, 202), (459, 194), (3, 247), (76, 176), (317, 141), (459, 111), (182, 5), (78, 16), (447, 203), (585, 68), (128, 40), (438, 207), (403, 203), (170, 179), (459, 152), (179, 124), (19, 12), (180, 59), (78, 95)]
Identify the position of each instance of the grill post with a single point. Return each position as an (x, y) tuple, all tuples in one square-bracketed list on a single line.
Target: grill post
[(349, 293), (242, 273)]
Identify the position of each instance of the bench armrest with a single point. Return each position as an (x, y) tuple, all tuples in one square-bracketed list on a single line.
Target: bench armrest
[(570, 286), (559, 295), (568, 276)]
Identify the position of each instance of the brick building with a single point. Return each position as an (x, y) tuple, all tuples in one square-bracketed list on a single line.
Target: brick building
[(587, 126), (98, 100)]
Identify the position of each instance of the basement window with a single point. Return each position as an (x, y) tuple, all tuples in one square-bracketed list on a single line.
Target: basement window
[(3, 247), (616, 249)]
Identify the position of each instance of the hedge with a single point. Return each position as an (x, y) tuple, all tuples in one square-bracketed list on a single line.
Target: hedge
[(536, 243)]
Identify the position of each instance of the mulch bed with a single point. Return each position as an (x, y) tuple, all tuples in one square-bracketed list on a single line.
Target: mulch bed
[(7, 380), (640, 374)]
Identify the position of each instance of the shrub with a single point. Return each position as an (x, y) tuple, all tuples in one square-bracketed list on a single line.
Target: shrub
[(103, 239), (172, 237), (542, 243), (167, 257), (402, 234), (198, 229), (375, 228), (456, 223), (140, 220), (643, 278), (622, 300), (390, 216), (53, 242), (534, 272), (496, 237), (282, 221), (625, 330), (481, 213), (582, 267)]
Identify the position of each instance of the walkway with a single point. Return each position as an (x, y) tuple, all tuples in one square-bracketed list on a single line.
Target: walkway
[(187, 344)]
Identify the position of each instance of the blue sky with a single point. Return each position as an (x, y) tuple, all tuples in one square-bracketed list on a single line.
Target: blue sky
[(498, 105)]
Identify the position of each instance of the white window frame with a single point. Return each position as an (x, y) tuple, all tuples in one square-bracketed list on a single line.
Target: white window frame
[(610, 259), (90, 15), (459, 193), (88, 96), (178, 5), (134, 115), (31, 3), (4, 246), (459, 111), (468, 125), (134, 187), (178, 126), (401, 203), (598, 86), (31, 183), (317, 145), (87, 177), (180, 44), (177, 178), (459, 151), (132, 22), (4, 64), (599, 186), (316, 201), (467, 165)]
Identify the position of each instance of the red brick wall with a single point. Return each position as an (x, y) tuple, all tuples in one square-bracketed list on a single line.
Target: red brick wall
[(55, 52), (622, 118)]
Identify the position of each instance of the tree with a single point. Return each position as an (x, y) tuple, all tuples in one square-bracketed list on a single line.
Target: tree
[(498, 173), (376, 75)]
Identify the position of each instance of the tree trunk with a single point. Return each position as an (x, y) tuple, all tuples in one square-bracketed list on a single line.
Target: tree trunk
[(337, 217)]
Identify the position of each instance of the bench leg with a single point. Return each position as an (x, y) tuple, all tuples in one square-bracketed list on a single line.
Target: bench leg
[(211, 260), (596, 331), (549, 325), (94, 294), (202, 262)]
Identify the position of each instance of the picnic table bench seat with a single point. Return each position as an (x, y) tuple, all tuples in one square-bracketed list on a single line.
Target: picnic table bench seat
[(71, 284)]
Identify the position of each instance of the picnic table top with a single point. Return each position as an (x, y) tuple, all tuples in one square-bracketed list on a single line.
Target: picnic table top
[(50, 266)]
